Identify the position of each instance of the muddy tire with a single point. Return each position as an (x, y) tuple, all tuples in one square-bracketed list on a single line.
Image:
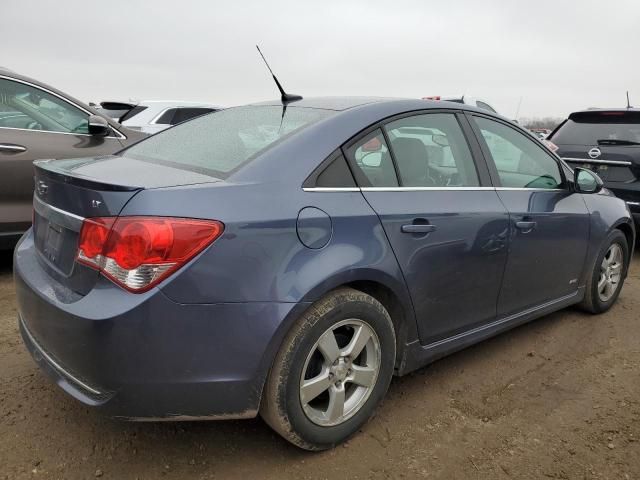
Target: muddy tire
[(332, 371), (608, 273)]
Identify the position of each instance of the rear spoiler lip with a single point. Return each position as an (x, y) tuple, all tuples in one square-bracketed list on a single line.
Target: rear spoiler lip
[(48, 169), (587, 116), (124, 105)]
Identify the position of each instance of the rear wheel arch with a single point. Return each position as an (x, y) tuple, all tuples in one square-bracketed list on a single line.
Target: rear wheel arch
[(398, 312), (379, 285)]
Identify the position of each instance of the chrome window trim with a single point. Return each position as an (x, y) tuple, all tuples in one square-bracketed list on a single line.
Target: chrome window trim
[(66, 100), (59, 216), (508, 189), (424, 189), (428, 189), (65, 133), (633, 204), (59, 368), (601, 162), (330, 189)]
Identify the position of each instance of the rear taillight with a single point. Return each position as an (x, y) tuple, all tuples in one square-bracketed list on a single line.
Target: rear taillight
[(550, 145), (139, 252)]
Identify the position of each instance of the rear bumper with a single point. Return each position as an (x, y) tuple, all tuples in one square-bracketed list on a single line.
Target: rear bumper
[(145, 356)]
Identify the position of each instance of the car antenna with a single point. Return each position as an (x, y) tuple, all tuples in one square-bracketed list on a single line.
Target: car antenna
[(284, 96), (628, 104)]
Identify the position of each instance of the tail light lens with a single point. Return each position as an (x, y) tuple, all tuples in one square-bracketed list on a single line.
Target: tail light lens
[(139, 252), (550, 145)]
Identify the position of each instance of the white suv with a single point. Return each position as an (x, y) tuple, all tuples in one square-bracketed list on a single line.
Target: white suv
[(155, 115)]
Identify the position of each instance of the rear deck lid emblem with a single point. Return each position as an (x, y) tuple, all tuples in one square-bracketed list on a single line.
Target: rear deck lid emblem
[(42, 188)]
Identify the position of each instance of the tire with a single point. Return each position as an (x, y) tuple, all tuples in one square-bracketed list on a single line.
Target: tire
[(594, 300), (306, 354)]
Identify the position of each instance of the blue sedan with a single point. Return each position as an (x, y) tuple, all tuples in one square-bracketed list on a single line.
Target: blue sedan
[(288, 259)]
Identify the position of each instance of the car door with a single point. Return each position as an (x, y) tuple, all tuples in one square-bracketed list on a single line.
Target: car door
[(549, 228), (37, 124), (444, 221)]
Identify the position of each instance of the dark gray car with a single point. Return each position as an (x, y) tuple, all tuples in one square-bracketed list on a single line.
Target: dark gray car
[(38, 121)]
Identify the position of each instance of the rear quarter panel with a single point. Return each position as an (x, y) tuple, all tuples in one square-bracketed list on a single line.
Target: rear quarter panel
[(259, 257)]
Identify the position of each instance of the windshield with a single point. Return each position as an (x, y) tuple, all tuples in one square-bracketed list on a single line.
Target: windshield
[(599, 129), (221, 142)]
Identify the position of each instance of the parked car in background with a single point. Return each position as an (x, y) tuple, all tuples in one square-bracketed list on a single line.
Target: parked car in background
[(465, 99), (289, 259), (38, 121), (606, 141), (541, 133), (154, 116)]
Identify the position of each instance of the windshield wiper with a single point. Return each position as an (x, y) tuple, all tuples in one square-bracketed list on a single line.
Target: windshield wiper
[(613, 141)]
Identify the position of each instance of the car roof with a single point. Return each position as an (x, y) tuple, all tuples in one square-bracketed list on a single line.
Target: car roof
[(341, 104), (350, 116), (329, 103)]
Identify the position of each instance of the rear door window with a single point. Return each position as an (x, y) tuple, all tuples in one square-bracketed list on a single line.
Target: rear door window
[(431, 151), (371, 161), (335, 175)]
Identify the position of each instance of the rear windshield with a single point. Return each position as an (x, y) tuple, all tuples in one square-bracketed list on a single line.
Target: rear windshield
[(220, 143), (599, 128)]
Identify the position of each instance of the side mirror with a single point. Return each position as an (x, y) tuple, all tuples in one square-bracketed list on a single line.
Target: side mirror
[(98, 126), (586, 181)]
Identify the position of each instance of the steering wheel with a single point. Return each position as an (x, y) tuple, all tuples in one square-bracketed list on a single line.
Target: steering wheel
[(35, 126)]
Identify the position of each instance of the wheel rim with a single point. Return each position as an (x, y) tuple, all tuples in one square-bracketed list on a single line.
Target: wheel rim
[(610, 272), (340, 372)]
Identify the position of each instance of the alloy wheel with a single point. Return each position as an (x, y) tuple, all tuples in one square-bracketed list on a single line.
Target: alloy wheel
[(610, 272), (340, 372)]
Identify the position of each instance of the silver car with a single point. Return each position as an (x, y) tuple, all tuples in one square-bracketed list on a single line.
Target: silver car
[(155, 115)]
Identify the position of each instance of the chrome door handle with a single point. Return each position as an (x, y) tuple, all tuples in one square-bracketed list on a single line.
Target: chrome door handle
[(418, 228), (12, 148), (526, 226)]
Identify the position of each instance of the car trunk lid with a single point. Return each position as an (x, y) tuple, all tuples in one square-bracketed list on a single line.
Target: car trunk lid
[(68, 191)]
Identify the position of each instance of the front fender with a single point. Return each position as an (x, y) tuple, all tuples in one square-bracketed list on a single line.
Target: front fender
[(606, 214)]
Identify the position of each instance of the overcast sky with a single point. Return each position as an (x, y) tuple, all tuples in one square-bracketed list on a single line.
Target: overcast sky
[(556, 55)]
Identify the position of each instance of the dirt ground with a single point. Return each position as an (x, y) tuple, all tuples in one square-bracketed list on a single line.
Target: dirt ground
[(557, 398)]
